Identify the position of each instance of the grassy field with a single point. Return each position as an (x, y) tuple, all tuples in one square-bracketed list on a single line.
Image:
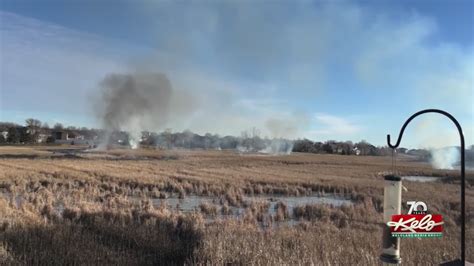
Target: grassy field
[(63, 206)]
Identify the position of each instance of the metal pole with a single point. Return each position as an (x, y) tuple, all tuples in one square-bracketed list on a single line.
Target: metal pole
[(463, 166)]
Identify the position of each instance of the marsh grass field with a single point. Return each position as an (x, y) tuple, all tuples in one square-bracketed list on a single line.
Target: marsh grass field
[(65, 205)]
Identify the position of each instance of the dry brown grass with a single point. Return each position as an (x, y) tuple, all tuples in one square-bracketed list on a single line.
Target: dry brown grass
[(95, 208)]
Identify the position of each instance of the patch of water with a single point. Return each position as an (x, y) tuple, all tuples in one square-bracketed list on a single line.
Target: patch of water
[(422, 179), (188, 204), (17, 200), (292, 202), (192, 203)]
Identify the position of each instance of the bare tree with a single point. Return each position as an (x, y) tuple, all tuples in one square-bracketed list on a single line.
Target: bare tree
[(33, 123), (33, 129)]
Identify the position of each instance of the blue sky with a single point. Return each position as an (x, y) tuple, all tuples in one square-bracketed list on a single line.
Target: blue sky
[(344, 70)]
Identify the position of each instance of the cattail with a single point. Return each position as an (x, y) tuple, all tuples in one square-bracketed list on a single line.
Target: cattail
[(208, 209), (71, 213), (226, 210)]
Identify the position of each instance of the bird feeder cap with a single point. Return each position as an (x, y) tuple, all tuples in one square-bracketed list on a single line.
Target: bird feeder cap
[(392, 178)]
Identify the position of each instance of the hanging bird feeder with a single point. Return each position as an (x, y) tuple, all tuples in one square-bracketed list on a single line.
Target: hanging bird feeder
[(392, 199)]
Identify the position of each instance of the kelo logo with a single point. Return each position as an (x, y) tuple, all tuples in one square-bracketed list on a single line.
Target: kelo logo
[(417, 223)]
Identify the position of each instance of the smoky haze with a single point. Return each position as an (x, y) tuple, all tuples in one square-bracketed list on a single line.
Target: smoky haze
[(147, 101)]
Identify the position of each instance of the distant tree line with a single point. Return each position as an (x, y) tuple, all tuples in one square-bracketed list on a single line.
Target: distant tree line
[(339, 147), (247, 142), (34, 131)]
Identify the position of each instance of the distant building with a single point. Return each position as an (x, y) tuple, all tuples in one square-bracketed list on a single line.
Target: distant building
[(60, 135), (402, 150), (42, 138), (69, 137)]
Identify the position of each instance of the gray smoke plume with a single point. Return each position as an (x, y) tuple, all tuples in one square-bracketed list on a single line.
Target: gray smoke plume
[(281, 129), (437, 135), (135, 102), (445, 158), (278, 146)]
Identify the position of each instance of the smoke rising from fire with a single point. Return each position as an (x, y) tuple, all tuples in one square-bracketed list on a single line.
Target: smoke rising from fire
[(445, 158), (438, 135), (138, 101)]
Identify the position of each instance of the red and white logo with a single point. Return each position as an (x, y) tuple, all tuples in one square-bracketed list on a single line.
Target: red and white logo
[(417, 223)]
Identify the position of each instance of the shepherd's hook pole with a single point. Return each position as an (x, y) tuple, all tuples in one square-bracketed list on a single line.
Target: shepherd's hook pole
[(463, 165)]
